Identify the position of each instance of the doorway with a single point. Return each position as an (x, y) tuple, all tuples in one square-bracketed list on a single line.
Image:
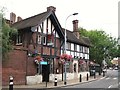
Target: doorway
[(45, 73)]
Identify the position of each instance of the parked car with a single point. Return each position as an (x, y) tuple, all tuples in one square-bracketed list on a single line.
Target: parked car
[(95, 69), (110, 68), (116, 68)]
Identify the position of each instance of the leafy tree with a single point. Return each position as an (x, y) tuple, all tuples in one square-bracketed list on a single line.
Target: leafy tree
[(103, 45), (7, 35)]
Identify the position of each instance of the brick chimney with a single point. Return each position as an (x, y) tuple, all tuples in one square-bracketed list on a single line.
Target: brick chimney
[(75, 28), (51, 8), (19, 18), (12, 17)]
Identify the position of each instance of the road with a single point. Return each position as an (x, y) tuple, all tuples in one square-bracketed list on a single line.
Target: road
[(110, 81)]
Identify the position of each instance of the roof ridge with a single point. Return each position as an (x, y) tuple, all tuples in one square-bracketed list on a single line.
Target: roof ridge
[(30, 17)]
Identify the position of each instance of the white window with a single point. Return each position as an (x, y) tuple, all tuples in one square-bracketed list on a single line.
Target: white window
[(85, 56), (88, 50), (78, 54), (68, 52), (88, 56), (75, 53), (68, 45), (78, 48), (43, 40), (75, 47), (72, 53), (81, 49), (81, 55), (72, 46), (39, 39)]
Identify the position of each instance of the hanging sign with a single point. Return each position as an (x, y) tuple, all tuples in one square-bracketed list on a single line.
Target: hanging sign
[(43, 63)]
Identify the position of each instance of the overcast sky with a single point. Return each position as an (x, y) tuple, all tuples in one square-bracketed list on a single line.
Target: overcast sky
[(93, 14)]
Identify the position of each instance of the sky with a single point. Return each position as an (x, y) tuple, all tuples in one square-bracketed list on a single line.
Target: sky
[(92, 14)]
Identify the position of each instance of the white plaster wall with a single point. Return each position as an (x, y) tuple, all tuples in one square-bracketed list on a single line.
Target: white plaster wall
[(34, 79), (38, 78), (70, 76), (59, 76), (52, 77), (84, 74)]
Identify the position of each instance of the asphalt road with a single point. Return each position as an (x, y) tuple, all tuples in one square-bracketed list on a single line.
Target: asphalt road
[(110, 81)]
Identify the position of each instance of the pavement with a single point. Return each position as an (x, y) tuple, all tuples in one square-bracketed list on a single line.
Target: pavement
[(59, 84)]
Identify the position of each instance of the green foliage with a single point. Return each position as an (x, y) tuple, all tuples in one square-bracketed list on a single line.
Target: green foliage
[(103, 45), (7, 35), (118, 51)]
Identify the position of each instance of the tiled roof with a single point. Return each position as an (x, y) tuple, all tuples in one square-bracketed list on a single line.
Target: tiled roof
[(31, 21), (86, 40), (71, 37)]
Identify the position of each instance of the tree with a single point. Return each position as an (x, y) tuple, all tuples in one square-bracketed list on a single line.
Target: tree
[(7, 35), (103, 45), (118, 47)]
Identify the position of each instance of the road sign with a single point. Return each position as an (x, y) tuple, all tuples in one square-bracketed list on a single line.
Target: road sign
[(43, 63)]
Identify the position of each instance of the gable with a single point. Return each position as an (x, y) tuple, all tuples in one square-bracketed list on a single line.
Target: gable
[(48, 28), (40, 19)]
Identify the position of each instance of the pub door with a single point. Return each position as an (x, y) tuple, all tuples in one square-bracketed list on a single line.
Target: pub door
[(45, 73)]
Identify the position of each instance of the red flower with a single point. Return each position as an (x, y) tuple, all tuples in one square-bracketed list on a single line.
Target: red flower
[(66, 57), (69, 57), (38, 58)]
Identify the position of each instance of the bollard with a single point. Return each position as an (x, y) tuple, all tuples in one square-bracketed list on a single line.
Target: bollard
[(94, 75), (11, 83), (55, 82), (80, 78), (103, 73), (87, 76), (99, 72)]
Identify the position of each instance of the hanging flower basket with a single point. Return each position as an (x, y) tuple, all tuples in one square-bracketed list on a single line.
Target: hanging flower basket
[(37, 59), (66, 57)]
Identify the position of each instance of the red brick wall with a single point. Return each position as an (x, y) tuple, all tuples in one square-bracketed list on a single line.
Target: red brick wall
[(19, 65), (31, 67), (14, 65)]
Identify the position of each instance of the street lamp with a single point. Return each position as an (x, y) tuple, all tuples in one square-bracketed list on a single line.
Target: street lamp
[(65, 46)]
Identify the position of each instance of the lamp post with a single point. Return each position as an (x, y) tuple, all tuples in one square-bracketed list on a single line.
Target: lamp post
[(65, 46)]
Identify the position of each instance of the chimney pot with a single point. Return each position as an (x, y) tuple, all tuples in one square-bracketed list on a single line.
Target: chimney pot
[(51, 8), (12, 17), (75, 28), (19, 18), (75, 21)]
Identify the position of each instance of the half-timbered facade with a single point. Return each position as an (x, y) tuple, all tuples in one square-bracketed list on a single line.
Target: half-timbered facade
[(37, 50), (78, 47)]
